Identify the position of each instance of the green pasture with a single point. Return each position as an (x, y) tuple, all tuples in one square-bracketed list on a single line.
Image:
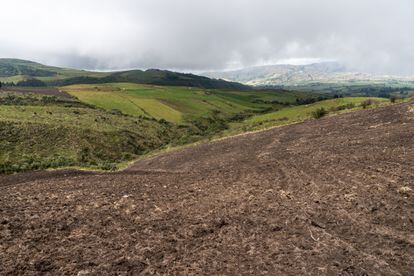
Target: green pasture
[(176, 104)]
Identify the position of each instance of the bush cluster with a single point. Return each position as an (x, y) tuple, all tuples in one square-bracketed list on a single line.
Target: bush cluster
[(30, 164), (367, 103), (319, 113), (343, 107)]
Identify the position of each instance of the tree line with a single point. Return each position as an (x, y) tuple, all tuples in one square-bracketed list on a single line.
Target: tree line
[(24, 83)]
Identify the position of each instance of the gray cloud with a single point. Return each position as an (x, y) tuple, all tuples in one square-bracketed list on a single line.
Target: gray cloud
[(368, 35)]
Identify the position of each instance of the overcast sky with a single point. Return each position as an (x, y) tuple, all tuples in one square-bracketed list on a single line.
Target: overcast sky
[(201, 35)]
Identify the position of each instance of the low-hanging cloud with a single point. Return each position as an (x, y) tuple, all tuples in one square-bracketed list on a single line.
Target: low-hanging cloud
[(197, 35)]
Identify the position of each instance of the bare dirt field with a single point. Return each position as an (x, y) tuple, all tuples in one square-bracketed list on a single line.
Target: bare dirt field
[(327, 197)]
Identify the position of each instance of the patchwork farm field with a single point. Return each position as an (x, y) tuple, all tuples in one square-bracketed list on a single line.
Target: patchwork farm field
[(177, 104)]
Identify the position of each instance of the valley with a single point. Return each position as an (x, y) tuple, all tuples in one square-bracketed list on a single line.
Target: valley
[(107, 126), (179, 137), (128, 178)]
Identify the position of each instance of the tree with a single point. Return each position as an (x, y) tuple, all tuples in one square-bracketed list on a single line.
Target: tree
[(1, 84), (31, 83)]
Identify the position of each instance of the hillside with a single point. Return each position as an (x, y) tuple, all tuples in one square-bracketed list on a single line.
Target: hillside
[(102, 126), (40, 131), (260, 74), (300, 113), (164, 77), (15, 70), (327, 73), (330, 196)]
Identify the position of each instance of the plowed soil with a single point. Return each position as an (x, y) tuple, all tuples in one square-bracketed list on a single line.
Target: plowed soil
[(327, 197)]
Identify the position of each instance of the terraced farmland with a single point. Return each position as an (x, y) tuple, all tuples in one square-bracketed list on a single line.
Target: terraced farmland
[(176, 104)]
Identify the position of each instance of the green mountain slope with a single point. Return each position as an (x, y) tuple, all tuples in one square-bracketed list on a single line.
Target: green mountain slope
[(163, 77), (16, 70)]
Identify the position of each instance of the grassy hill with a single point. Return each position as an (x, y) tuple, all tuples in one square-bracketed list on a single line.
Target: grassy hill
[(300, 113), (15, 71), (39, 132)]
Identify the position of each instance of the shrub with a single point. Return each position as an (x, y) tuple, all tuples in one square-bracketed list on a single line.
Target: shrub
[(366, 103), (108, 166), (343, 107), (49, 99), (84, 155), (164, 122), (116, 112), (393, 99), (319, 113)]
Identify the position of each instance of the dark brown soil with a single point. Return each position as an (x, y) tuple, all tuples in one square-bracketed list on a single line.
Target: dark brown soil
[(327, 197)]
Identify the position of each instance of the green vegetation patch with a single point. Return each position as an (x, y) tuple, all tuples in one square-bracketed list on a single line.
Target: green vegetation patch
[(51, 136), (301, 113)]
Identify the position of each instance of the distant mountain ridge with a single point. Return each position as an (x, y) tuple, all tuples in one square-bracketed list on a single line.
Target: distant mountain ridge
[(296, 75), (28, 72)]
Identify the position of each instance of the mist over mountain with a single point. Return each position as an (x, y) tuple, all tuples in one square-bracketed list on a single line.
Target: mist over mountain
[(288, 75), (183, 35)]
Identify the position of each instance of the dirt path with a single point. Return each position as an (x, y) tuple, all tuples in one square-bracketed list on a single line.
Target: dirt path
[(333, 196)]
